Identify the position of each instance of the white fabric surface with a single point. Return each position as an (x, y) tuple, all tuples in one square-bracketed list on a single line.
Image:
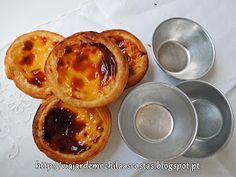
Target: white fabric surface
[(18, 152)]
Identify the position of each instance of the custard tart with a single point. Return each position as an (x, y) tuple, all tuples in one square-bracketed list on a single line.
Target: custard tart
[(134, 52), (86, 70), (70, 135), (25, 60)]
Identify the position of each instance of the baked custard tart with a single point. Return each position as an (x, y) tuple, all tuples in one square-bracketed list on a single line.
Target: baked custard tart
[(87, 70), (70, 135), (133, 51), (25, 60)]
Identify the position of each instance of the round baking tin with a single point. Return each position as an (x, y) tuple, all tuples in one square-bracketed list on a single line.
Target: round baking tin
[(157, 121), (183, 49), (215, 118)]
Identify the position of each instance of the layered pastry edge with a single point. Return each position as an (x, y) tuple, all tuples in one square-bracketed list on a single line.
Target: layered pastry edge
[(104, 94), (133, 51), (25, 59), (55, 150)]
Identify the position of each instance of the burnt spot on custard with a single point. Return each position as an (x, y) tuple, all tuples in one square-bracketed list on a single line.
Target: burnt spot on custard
[(77, 83), (120, 42), (107, 65), (27, 60), (82, 63), (44, 40), (60, 63), (67, 50), (38, 78), (105, 69), (135, 52), (28, 45), (60, 129)]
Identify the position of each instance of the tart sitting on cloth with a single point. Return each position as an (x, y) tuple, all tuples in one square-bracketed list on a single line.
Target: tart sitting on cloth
[(87, 70), (70, 135), (25, 60), (133, 51)]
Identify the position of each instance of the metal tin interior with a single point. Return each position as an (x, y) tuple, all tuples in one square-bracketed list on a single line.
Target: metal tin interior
[(153, 120), (183, 49), (215, 118), (151, 127)]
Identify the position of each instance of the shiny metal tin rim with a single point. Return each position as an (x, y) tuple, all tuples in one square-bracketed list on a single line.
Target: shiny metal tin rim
[(231, 113), (207, 34), (178, 90)]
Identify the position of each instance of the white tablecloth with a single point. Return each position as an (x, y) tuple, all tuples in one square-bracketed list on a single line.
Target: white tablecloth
[(18, 153)]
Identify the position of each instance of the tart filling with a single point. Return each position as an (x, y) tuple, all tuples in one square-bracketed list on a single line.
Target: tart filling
[(87, 70), (68, 134), (72, 132), (25, 61), (133, 51)]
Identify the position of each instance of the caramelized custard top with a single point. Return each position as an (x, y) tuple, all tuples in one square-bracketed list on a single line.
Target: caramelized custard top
[(30, 56), (72, 131), (130, 51), (86, 70)]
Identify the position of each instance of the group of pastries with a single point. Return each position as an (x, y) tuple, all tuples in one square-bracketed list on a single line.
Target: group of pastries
[(76, 77)]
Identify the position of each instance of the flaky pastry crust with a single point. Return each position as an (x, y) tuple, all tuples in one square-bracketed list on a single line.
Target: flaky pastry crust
[(25, 60), (87, 70), (70, 135), (133, 51)]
